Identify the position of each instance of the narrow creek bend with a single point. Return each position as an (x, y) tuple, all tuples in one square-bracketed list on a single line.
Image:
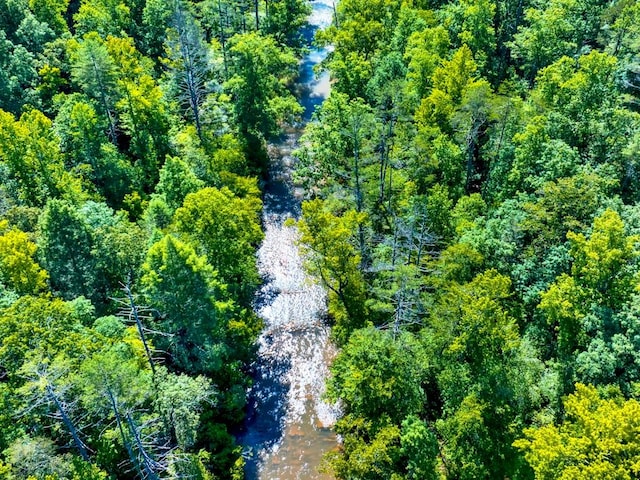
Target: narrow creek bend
[(288, 427)]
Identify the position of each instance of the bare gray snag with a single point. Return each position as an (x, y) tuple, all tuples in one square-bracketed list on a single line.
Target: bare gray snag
[(134, 312), (44, 388), (191, 64)]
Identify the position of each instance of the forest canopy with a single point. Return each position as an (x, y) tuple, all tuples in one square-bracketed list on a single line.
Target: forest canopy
[(132, 151), (472, 208)]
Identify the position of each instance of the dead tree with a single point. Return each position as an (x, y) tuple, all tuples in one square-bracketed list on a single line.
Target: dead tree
[(45, 387), (190, 64), (136, 314)]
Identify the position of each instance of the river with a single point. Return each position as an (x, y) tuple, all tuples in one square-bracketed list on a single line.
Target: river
[(288, 426)]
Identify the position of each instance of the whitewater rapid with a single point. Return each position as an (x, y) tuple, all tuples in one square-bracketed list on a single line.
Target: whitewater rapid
[(288, 427)]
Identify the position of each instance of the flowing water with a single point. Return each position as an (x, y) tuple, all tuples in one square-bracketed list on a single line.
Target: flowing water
[(288, 427)]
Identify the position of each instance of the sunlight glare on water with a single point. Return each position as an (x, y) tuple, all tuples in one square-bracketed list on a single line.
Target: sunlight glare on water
[(288, 427)]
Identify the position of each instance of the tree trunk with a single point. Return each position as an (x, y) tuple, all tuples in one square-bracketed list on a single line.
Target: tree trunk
[(255, 4), (358, 191), (125, 440), (105, 103), (68, 423), (139, 326), (148, 463)]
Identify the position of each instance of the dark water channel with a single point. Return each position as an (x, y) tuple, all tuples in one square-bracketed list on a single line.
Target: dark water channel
[(288, 428)]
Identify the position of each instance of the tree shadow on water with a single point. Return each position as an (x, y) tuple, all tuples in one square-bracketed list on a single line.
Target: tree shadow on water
[(279, 199), (266, 412)]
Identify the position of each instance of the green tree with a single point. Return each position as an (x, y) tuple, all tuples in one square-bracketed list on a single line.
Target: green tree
[(17, 74), (177, 181), (331, 253), (596, 439), (602, 273), (52, 13), (118, 249), (378, 378), (472, 23), (180, 402), (623, 21), (605, 263), (338, 146), (189, 63), (94, 70), (30, 150), (115, 386), (419, 445), (481, 376), (193, 305), (259, 74), (87, 150), (378, 458), (362, 29), (47, 385), (285, 19), (24, 331), (562, 306), (554, 29), (66, 246), (563, 205), (141, 107), (103, 17), (89, 250), (18, 268), (424, 52), (226, 229), (581, 307), (36, 457), (156, 19), (34, 34)]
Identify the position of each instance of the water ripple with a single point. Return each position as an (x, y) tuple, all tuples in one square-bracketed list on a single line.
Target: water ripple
[(288, 426)]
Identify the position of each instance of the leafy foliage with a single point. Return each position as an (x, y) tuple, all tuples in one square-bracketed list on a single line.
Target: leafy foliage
[(128, 229), (595, 439), (473, 174), (472, 209)]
